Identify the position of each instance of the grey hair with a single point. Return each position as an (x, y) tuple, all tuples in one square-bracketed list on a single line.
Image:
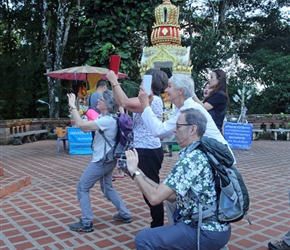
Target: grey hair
[(110, 101), (183, 81), (195, 117)]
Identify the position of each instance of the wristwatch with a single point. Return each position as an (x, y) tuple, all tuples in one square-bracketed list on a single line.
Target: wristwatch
[(136, 173)]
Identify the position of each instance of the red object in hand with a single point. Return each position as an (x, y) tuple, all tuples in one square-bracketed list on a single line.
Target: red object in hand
[(115, 63)]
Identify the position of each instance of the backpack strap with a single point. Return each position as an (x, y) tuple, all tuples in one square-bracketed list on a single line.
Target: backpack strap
[(102, 132), (105, 138), (205, 212)]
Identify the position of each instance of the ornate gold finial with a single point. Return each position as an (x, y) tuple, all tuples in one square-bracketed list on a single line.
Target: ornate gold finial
[(166, 27), (166, 51)]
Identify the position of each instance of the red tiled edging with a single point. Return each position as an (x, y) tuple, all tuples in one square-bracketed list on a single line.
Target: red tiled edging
[(13, 186)]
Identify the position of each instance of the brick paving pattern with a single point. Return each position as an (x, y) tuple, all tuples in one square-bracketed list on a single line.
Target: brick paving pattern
[(36, 216)]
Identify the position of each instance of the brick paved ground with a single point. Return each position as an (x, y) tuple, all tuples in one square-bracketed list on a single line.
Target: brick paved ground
[(37, 215)]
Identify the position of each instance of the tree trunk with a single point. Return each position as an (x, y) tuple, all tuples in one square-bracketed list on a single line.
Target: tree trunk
[(55, 44)]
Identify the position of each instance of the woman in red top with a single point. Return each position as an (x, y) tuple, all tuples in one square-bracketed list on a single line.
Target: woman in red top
[(217, 100)]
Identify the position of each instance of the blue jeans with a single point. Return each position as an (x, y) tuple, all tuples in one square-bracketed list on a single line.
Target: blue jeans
[(97, 171), (180, 236)]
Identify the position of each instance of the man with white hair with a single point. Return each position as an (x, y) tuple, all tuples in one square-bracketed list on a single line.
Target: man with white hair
[(180, 92)]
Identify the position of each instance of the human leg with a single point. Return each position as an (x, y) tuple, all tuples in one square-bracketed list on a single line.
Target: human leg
[(287, 238), (90, 176), (110, 192), (179, 236), (150, 161), (156, 213), (281, 244)]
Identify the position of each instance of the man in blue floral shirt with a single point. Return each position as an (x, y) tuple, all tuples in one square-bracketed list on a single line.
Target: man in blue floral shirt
[(191, 174)]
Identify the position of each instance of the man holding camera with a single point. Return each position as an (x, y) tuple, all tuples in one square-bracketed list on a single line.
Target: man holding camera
[(191, 173)]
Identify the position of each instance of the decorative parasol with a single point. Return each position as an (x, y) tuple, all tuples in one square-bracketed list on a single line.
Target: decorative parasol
[(80, 73)]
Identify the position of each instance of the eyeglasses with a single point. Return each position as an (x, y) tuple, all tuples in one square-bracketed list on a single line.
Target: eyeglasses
[(101, 99), (178, 125)]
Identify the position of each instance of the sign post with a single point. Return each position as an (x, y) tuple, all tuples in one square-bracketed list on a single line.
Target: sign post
[(238, 135), (79, 142)]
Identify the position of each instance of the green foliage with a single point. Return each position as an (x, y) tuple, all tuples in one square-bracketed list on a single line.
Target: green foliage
[(222, 34), (209, 51), (117, 30)]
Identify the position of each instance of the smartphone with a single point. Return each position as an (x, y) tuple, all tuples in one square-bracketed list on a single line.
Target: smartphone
[(147, 81)]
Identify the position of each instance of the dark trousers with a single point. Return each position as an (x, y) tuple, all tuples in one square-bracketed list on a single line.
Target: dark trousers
[(150, 161)]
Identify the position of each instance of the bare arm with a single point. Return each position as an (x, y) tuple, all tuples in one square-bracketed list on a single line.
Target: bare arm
[(155, 193), (131, 104), (85, 126), (206, 105), (172, 198)]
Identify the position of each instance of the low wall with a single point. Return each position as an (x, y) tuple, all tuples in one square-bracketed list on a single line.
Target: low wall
[(262, 121), (8, 127)]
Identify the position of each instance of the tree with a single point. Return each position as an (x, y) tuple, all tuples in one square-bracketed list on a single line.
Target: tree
[(33, 31), (56, 21), (268, 53), (247, 38), (230, 34)]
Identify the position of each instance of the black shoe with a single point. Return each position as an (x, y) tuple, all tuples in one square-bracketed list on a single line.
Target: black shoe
[(118, 217), (278, 245), (80, 227)]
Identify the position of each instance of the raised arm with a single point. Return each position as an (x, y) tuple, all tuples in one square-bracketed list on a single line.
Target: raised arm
[(155, 125), (206, 105), (131, 104), (85, 126)]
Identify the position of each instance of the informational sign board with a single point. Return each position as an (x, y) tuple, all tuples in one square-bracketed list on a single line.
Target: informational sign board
[(79, 142), (238, 135)]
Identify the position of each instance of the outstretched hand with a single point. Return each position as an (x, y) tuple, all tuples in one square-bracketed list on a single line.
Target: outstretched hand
[(112, 77), (71, 99), (132, 160)]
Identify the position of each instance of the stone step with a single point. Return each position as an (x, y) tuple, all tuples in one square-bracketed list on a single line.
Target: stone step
[(9, 186)]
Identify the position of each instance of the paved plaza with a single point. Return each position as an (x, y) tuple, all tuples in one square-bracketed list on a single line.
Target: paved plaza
[(37, 216)]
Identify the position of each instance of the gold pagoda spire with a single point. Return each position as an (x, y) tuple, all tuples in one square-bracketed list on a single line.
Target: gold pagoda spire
[(166, 27)]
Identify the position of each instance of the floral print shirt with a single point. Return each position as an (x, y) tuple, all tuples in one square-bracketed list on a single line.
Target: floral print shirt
[(193, 173)]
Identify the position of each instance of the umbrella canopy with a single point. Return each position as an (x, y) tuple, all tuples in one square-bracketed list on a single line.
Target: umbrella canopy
[(80, 73)]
